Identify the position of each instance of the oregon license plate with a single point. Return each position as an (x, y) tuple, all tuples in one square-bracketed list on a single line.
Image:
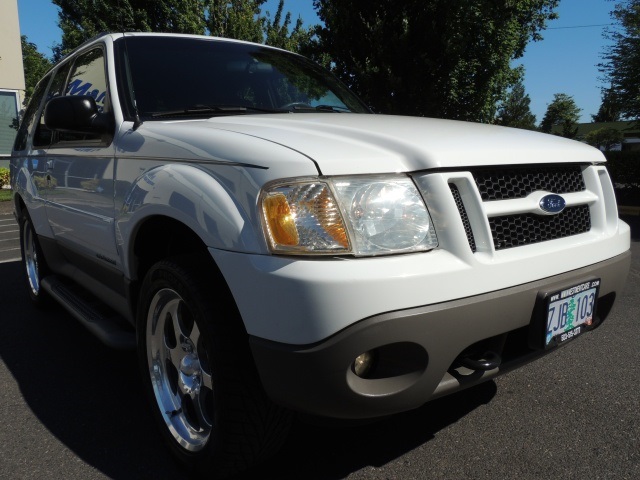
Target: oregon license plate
[(570, 312)]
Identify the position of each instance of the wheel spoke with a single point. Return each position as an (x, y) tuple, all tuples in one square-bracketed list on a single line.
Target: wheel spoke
[(207, 381), (177, 308), (170, 329), (194, 336), (202, 412)]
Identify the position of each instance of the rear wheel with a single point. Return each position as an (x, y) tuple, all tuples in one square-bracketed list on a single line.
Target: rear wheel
[(199, 375), (34, 265)]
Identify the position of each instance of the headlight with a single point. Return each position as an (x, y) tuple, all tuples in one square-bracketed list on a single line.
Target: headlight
[(355, 215)]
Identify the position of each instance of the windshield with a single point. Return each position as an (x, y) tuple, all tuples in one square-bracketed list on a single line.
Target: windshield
[(181, 76)]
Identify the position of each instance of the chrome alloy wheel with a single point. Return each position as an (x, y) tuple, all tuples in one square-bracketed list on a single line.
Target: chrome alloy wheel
[(30, 253), (179, 369)]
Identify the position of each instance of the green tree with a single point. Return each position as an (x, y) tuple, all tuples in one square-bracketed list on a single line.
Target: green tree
[(562, 112), (442, 58), (610, 108), (604, 138), (238, 19), (515, 109), (622, 60), (277, 32), (81, 20), (35, 65)]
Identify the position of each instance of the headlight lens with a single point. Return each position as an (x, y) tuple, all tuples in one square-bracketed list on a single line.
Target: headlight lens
[(386, 215), (357, 215)]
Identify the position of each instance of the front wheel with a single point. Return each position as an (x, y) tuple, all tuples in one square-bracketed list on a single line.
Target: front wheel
[(198, 372)]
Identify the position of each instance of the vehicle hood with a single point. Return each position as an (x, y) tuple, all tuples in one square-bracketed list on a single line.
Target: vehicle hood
[(358, 143)]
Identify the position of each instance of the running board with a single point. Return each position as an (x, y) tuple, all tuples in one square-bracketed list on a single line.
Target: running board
[(108, 326)]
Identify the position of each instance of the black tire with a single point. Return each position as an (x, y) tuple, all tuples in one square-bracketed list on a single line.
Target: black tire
[(34, 266), (198, 372)]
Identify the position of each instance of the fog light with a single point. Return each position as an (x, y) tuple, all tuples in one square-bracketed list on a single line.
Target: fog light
[(363, 363)]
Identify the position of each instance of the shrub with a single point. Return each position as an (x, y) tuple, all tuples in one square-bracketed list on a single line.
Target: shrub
[(4, 177), (624, 168), (604, 137)]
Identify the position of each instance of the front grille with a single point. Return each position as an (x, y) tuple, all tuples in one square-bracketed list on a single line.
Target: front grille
[(518, 182), (524, 229), (463, 215)]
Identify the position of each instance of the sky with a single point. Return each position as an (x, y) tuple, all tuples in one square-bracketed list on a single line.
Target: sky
[(565, 61)]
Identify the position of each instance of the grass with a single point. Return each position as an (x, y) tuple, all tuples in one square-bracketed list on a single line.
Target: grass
[(5, 195)]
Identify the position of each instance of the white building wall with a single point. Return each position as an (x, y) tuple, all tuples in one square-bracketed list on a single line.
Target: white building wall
[(12, 83)]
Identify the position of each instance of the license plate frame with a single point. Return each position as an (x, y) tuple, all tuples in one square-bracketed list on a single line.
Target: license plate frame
[(569, 312)]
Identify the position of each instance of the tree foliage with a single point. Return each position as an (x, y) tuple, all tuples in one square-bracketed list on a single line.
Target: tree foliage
[(610, 108), (277, 31), (443, 58), (622, 60), (81, 20), (35, 66), (605, 138), (238, 19), (624, 168), (515, 109), (562, 112)]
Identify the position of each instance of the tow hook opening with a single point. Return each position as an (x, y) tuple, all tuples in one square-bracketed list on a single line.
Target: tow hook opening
[(484, 361)]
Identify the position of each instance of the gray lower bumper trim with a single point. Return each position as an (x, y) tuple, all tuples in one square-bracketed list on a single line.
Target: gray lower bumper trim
[(417, 349)]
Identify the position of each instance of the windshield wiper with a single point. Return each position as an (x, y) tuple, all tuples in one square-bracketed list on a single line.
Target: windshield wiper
[(332, 108), (319, 108), (205, 110)]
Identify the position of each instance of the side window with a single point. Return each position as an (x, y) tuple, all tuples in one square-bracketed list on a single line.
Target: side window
[(29, 115), (43, 136), (88, 77), (59, 81)]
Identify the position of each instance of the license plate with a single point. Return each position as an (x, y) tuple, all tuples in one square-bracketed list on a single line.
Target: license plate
[(570, 312)]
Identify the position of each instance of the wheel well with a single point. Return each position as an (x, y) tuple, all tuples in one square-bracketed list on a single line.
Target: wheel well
[(19, 205), (160, 238), (163, 237)]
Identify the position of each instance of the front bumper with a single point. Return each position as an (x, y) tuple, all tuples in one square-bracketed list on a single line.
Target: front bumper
[(417, 349)]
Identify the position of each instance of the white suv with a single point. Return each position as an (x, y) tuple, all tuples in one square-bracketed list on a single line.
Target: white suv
[(269, 245)]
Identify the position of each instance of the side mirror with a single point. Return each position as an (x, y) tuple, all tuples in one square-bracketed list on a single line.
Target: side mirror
[(77, 114)]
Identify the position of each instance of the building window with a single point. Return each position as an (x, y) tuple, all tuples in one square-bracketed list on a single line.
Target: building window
[(8, 120)]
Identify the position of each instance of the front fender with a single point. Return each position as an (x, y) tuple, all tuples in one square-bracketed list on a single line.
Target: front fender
[(195, 197)]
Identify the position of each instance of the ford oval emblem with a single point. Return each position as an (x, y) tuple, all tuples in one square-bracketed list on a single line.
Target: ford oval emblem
[(552, 204)]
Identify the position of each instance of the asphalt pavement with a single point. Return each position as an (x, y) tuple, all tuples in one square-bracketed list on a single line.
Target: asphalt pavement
[(9, 237), (72, 408)]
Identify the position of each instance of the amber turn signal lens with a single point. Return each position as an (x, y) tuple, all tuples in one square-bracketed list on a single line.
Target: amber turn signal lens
[(280, 220)]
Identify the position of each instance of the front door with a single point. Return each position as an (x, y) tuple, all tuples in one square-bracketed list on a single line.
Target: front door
[(79, 171)]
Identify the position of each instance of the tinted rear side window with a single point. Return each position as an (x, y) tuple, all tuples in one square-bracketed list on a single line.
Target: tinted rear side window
[(30, 115)]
